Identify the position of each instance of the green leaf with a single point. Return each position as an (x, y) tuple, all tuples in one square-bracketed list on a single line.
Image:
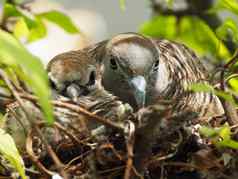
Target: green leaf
[(208, 132), (2, 2), (21, 30), (12, 11), (234, 83), (13, 54), (61, 20), (38, 32), (199, 36), (200, 87), (190, 30), (225, 132), (160, 26), (226, 96), (229, 28), (170, 2), (123, 5), (230, 5), (9, 151), (36, 28), (19, 1), (228, 143)]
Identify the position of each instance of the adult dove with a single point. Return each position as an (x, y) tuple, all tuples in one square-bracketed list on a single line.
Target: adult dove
[(142, 70)]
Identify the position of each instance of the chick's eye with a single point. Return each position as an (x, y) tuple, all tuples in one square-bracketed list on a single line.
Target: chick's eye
[(113, 63), (52, 84), (156, 65)]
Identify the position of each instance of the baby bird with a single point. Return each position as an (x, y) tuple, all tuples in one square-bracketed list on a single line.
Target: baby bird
[(73, 74), (141, 71), (76, 75)]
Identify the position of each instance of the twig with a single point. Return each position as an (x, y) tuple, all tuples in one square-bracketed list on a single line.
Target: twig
[(59, 165), (157, 7), (182, 164), (230, 111), (15, 94), (130, 139), (32, 156), (18, 120), (92, 116), (170, 155), (67, 166), (217, 85), (111, 170), (231, 77), (74, 139), (33, 124), (162, 171), (91, 159), (80, 110), (107, 146)]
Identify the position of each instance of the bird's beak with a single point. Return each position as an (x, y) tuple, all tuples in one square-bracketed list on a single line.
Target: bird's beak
[(138, 84), (74, 91)]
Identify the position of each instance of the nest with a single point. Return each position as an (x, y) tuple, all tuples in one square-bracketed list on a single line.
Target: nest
[(101, 137)]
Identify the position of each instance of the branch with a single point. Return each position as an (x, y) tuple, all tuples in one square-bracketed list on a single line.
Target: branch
[(229, 109), (79, 110)]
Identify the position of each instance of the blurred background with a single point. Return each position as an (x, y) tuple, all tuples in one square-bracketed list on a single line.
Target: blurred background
[(208, 27), (96, 19)]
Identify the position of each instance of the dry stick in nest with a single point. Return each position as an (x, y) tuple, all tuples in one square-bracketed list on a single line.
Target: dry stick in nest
[(79, 110), (56, 160), (130, 139), (73, 138), (230, 110), (34, 158)]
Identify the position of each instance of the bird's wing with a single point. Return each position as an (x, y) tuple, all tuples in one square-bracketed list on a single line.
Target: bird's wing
[(186, 69), (96, 51), (181, 57)]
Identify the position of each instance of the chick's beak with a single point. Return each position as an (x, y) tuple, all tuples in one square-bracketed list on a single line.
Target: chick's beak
[(74, 91), (138, 84)]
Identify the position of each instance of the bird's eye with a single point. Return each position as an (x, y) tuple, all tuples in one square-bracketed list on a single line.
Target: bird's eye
[(64, 87), (52, 84), (156, 65), (113, 63)]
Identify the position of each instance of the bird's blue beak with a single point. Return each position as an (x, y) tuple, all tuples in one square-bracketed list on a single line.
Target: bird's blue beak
[(138, 84)]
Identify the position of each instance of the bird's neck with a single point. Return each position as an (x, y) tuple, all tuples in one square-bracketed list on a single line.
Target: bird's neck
[(172, 79), (163, 79)]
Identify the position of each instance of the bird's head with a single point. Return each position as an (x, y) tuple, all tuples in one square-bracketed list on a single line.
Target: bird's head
[(130, 61), (72, 74)]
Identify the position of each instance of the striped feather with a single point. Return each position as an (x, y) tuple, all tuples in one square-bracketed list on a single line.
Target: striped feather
[(184, 69)]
